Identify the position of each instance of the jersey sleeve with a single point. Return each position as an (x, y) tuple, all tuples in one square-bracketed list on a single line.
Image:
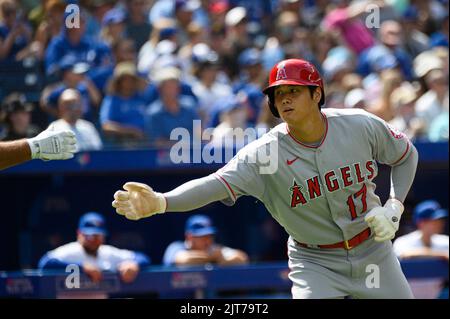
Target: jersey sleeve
[(241, 176), (171, 251), (389, 145)]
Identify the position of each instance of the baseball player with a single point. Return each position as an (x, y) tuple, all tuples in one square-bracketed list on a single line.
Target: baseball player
[(322, 192), (48, 145)]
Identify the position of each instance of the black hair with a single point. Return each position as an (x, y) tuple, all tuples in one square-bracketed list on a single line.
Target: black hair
[(271, 96)]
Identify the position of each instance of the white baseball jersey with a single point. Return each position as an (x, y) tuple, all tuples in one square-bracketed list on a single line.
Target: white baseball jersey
[(422, 288), (107, 259), (319, 194)]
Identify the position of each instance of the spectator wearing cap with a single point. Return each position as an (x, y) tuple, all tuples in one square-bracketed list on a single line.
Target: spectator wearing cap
[(435, 101), (113, 26), (402, 102), (96, 10), (163, 29), (137, 26), (16, 114), (76, 42), (122, 113), (217, 11), (184, 16), (251, 82), (161, 9), (92, 254), (415, 41), (50, 26), (196, 35), (69, 107), (199, 246), (74, 76), (15, 34), (426, 241), (207, 86), (123, 50), (151, 93), (170, 110), (237, 39), (388, 53)]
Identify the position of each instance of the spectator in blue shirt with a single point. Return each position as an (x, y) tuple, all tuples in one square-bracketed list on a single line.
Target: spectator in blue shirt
[(137, 26), (170, 111), (440, 37), (74, 41), (113, 26), (252, 82), (186, 90), (123, 50), (73, 73), (15, 34), (122, 111), (200, 248), (391, 41)]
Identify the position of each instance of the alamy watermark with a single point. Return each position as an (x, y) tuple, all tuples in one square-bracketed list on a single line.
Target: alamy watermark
[(72, 16), (73, 278), (372, 20), (373, 277), (221, 150)]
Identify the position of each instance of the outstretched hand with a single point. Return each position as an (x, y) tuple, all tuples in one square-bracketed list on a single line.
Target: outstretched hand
[(138, 201)]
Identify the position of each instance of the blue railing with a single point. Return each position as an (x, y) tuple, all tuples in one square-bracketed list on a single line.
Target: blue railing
[(205, 281)]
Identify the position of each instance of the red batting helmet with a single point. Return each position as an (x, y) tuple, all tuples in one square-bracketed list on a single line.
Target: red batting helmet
[(293, 72)]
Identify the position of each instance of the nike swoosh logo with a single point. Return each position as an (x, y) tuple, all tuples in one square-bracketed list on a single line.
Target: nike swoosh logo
[(290, 162)]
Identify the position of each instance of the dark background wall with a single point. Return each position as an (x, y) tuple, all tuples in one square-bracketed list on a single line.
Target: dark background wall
[(41, 211)]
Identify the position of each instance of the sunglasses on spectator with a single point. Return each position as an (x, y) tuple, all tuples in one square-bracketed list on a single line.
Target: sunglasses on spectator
[(72, 105)]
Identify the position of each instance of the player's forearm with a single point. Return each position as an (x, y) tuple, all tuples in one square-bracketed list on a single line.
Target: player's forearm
[(402, 176), (194, 257), (195, 194), (14, 152), (236, 259)]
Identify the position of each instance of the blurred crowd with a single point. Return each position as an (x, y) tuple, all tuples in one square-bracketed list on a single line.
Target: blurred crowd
[(125, 73)]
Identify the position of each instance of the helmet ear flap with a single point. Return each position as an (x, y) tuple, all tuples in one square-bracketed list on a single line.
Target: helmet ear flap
[(271, 103)]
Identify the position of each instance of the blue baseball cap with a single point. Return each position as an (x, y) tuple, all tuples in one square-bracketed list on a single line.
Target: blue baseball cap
[(429, 210), (74, 64), (411, 13), (199, 225), (92, 223), (380, 58), (187, 5), (250, 57), (113, 16)]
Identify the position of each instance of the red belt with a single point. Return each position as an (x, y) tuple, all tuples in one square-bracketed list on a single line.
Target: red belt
[(346, 244)]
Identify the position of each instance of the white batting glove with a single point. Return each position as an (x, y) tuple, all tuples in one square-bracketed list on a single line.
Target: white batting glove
[(138, 201), (384, 221), (53, 145)]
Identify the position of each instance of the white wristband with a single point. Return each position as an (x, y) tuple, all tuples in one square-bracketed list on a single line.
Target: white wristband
[(395, 205), (162, 203), (34, 147)]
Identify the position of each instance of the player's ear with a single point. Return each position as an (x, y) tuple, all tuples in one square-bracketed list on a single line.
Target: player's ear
[(317, 94)]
